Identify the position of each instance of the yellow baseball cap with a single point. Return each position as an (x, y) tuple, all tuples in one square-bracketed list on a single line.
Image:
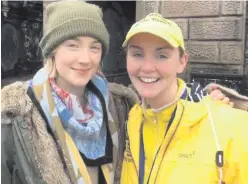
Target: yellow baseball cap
[(156, 24)]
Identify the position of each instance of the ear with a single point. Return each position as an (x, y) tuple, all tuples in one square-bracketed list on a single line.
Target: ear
[(182, 63)]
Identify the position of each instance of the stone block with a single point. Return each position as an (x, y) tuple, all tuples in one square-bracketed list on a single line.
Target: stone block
[(203, 52), (183, 24), (232, 7), (143, 8), (216, 70), (232, 52), (216, 28), (189, 8)]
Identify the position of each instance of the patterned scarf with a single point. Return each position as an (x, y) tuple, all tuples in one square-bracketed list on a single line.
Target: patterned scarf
[(89, 136), (73, 136)]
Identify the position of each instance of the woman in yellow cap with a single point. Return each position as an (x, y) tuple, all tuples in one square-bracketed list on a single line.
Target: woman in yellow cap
[(66, 125), (169, 139)]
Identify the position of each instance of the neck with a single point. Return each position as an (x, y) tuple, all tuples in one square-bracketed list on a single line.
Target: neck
[(75, 90), (164, 98)]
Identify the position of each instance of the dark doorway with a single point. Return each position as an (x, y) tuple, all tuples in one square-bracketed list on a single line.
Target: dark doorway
[(118, 17), (21, 32)]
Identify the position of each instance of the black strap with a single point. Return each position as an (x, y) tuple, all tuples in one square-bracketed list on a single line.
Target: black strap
[(108, 157), (142, 151), (141, 157)]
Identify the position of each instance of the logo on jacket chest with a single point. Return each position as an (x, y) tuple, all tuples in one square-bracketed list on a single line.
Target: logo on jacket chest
[(186, 155)]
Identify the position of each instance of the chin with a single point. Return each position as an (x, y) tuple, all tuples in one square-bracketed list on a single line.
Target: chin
[(81, 83), (147, 94)]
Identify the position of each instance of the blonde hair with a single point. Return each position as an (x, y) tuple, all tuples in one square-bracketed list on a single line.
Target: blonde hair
[(50, 67)]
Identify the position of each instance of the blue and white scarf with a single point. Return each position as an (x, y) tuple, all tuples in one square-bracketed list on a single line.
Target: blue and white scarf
[(90, 138)]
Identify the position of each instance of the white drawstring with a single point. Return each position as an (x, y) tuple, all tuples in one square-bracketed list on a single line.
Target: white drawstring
[(216, 141)]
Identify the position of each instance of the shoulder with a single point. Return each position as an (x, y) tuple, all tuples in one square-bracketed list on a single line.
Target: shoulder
[(229, 121), (239, 101), (121, 100), (121, 91), (236, 117), (14, 100), (223, 115)]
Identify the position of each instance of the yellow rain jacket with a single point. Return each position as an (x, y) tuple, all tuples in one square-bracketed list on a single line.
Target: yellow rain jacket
[(207, 143)]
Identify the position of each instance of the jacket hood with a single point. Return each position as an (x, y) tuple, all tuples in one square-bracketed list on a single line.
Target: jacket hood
[(14, 100), (126, 92)]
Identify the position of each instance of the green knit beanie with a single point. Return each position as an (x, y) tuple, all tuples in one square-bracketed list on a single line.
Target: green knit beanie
[(69, 19)]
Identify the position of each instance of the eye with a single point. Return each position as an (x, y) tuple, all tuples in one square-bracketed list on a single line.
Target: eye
[(137, 54), (95, 48), (163, 57), (73, 45)]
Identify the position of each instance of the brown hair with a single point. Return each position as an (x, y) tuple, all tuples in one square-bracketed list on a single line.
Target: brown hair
[(181, 51)]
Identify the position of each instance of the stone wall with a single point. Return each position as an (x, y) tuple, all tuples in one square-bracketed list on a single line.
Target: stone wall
[(214, 33), (246, 53)]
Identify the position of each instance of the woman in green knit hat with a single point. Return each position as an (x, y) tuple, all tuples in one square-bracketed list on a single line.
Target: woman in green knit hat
[(66, 125)]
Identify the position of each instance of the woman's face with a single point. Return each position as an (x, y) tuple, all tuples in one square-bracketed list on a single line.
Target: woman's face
[(76, 61), (153, 65)]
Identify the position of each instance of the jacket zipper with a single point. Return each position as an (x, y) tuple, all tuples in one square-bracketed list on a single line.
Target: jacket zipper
[(169, 143)]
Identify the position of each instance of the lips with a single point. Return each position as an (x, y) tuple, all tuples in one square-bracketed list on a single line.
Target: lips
[(149, 79), (81, 70)]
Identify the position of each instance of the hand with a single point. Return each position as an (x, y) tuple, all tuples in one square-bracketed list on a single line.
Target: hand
[(217, 95)]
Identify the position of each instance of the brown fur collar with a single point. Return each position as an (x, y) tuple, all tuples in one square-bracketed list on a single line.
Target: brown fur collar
[(42, 148)]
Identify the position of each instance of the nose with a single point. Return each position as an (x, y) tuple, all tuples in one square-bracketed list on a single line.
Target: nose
[(84, 56), (147, 66)]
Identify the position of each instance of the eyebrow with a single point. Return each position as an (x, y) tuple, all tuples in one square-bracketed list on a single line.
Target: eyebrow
[(96, 41), (135, 47), (75, 39), (157, 49), (165, 47), (78, 40)]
